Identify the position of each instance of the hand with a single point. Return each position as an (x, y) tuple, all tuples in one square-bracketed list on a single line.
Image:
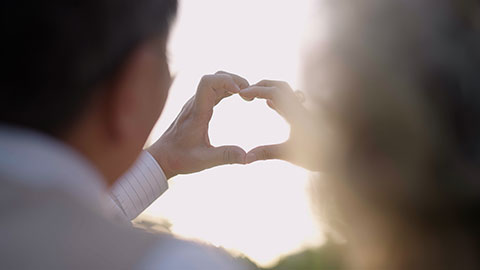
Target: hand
[(303, 144), (185, 147)]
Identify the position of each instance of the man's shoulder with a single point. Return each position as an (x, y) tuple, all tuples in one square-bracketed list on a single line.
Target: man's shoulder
[(174, 253), (49, 228)]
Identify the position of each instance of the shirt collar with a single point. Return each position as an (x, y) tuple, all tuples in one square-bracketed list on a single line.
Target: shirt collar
[(41, 162)]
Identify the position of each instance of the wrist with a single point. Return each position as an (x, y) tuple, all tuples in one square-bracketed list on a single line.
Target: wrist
[(161, 157)]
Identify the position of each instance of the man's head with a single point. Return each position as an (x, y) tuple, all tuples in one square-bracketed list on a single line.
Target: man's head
[(92, 73)]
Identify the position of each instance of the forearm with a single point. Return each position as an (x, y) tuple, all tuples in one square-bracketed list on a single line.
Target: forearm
[(139, 187)]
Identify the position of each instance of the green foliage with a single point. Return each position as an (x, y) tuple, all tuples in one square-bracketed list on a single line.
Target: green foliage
[(326, 257)]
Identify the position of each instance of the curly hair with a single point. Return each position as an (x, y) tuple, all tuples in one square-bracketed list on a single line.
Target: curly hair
[(404, 96)]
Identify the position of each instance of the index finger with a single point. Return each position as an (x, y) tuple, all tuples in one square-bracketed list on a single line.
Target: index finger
[(240, 81), (213, 88), (283, 100), (260, 92), (271, 83)]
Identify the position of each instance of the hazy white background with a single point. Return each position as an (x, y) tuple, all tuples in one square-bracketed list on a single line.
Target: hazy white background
[(261, 210)]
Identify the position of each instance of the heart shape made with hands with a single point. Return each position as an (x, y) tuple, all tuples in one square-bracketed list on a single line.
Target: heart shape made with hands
[(246, 124), (281, 98), (187, 141)]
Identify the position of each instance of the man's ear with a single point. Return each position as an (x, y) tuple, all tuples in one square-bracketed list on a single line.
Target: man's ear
[(126, 94)]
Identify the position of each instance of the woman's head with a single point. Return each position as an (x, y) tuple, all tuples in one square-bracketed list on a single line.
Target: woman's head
[(398, 81)]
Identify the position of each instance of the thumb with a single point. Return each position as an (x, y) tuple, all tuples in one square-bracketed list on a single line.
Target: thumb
[(226, 155), (267, 152)]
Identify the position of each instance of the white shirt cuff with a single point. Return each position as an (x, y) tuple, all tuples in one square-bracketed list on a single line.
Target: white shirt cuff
[(140, 186)]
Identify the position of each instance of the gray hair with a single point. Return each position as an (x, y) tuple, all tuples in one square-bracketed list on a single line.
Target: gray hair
[(399, 79)]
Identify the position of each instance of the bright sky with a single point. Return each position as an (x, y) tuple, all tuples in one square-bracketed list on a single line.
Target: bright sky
[(261, 210)]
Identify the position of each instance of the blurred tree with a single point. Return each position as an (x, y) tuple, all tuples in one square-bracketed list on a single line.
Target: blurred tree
[(327, 257)]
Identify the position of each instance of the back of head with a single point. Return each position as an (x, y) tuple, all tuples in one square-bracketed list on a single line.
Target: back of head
[(56, 54), (401, 86)]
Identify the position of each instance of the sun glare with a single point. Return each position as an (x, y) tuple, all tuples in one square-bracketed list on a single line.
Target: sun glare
[(261, 210)]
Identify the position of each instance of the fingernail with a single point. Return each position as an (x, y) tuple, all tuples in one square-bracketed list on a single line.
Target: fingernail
[(247, 99), (244, 93), (251, 157)]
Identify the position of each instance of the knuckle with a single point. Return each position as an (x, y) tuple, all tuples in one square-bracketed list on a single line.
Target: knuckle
[(218, 78), (284, 85), (264, 154), (229, 82), (284, 92), (300, 96), (227, 78), (263, 82), (206, 79), (227, 156), (277, 93)]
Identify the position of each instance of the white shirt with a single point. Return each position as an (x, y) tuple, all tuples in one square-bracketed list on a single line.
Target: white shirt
[(139, 187), (31, 156)]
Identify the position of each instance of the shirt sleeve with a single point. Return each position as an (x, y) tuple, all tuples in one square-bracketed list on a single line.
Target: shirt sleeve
[(139, 187)]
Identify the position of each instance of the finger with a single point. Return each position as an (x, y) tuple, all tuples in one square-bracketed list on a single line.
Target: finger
[(280, 84), (267, 152), (284, 101), (240, 81), (213, 88), (247, 99), (263, 92), (267, 93), (225, 155), (271, 104), (270, 83), (277, 99)]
